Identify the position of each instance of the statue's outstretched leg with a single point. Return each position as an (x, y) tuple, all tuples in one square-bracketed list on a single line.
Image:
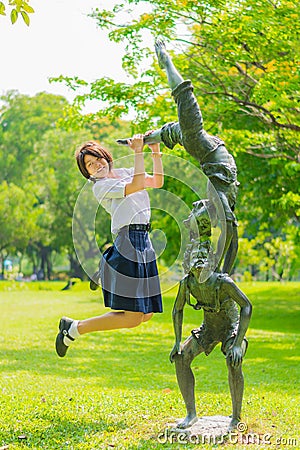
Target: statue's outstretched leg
[(211, 152), (236, 386), (186, 379), (165, 62), (190, 123), (174, 78)]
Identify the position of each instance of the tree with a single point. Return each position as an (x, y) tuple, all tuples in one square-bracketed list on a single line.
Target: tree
[(242, 57), (18, 216), (23, 121), (269, 255)]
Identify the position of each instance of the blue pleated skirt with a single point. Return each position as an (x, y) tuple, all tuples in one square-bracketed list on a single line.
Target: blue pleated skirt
[(129, 275)]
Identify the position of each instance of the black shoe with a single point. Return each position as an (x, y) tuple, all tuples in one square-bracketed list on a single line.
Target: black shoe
[(147, 140), (64, 326), (125, 141), (94, 281), (122, 141)]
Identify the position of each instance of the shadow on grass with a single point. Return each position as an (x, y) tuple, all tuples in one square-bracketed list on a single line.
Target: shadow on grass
[(62, 432), (126, 361)]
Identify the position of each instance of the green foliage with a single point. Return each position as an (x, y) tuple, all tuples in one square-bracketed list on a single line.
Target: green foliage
[(243, 61), (23, 121), (117, 389), (242, 54), (242, 58), (268, 255), (17, 224)]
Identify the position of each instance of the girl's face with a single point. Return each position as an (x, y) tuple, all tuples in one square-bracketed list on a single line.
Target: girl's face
[(96, 166)]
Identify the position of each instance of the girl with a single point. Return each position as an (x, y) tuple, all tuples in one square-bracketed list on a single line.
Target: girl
[(128, 269)]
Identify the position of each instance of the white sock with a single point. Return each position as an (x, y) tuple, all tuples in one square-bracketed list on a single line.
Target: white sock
[(73, 332)]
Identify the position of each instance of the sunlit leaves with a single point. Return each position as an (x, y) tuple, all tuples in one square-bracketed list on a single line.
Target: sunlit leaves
[(267, 253), (17, 8), (25, 17), (13, 16), (2, 9)]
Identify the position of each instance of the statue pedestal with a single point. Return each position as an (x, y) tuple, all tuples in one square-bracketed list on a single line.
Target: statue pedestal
[(207, 430)]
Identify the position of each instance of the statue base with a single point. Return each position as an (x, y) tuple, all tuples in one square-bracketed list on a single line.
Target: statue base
[(207, 429)]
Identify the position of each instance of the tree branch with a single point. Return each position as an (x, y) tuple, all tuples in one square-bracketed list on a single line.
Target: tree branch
[(255, 106), (268, 156), (242, 71)]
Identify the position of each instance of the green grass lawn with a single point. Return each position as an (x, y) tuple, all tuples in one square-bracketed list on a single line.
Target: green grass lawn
[(118, 389)]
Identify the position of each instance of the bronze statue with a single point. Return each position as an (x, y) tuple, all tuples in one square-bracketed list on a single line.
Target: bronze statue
[(213, 289), (210, 151), (218, 296)]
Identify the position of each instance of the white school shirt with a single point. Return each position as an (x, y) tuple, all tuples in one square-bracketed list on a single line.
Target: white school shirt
[(124, 210)]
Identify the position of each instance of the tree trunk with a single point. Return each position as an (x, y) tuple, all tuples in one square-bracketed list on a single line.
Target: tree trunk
[(2, 267), (49, 264), (46, 265), (76, 270), (20, 256)]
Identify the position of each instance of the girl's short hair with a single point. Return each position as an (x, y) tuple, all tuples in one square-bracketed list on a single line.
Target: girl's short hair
[(92, 148)]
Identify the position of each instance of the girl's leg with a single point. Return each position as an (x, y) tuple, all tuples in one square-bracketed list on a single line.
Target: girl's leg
[(70, 329), (147, 317), (112, 321)]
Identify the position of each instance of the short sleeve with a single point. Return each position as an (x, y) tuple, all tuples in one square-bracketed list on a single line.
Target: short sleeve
[(109, 188), (129, 172)]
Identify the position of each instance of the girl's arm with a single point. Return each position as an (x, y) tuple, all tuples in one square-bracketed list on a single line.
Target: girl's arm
[(157, 179), (138, 181)]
